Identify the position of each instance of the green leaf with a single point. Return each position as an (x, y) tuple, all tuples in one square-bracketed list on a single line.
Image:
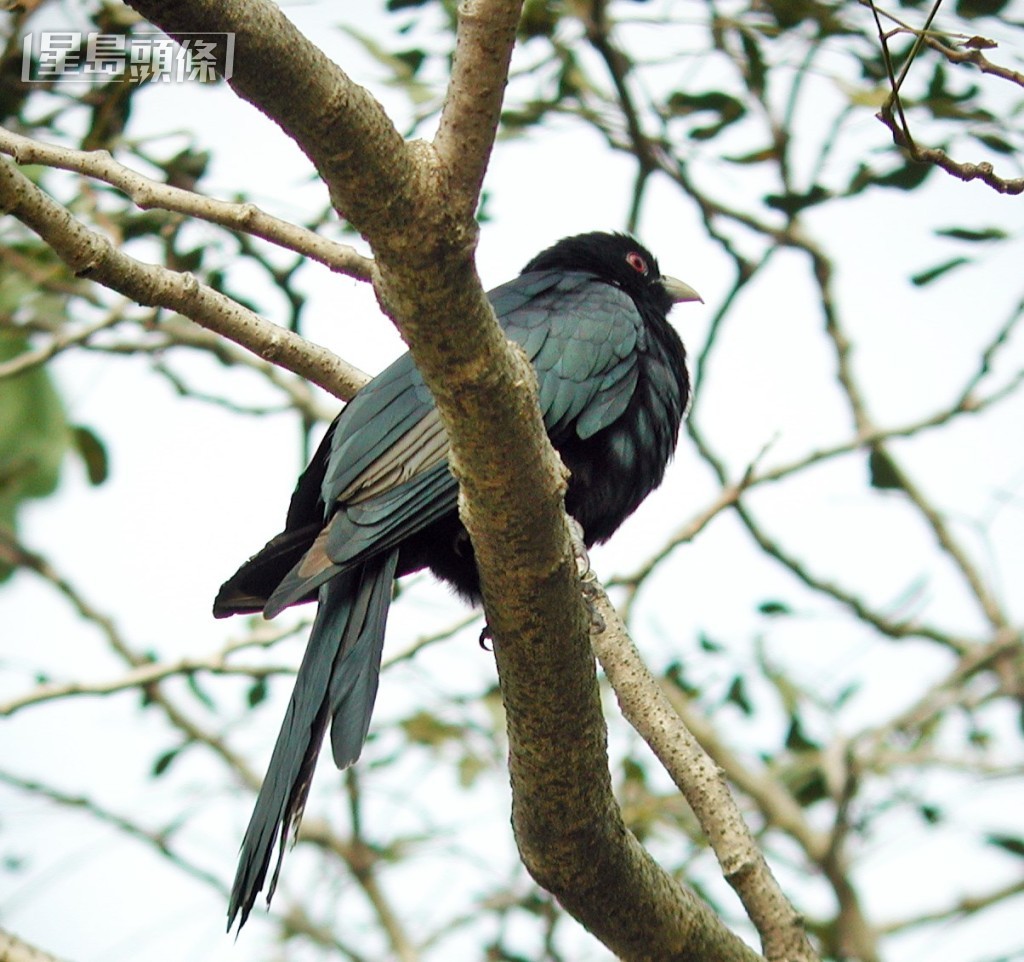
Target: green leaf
[(774, 608), (189, 261), (882, 471), (633, 772), (1013, 844), (147, 223), (980, 8), (257, 692), (402, 65), (538, 19), (792, 204), (93, 453), (797, 740), (996, 143), (33, 435), (810, 787), (728, 109), (737, 695), (934, 273), (424, 728), (973, 236), (164, 762), (908, 176), (528, 115), (792, 13), (707, 643), (470, 767), (755, 68), (483, 214), (413, 59), (979, 737), (754, 157), (33, 430), (186, 168), (674, 673), (192, 680), (846, 693)]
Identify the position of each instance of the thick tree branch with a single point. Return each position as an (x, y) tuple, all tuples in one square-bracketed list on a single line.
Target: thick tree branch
[(469, 118)]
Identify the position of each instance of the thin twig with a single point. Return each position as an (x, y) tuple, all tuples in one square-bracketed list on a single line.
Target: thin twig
[(90, 254), (156, 839), (148, 194), (61, 341), (901, 130)]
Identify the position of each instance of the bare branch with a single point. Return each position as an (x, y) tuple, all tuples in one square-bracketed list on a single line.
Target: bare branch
[(469, 119), (12, 949), (140, 678), (952, 690), (962, 907), (701, 781), (149, 194), (967, 172), (901, 129), (155, 839), (967, 403), (15, 554), (91, 255), (61, 341)]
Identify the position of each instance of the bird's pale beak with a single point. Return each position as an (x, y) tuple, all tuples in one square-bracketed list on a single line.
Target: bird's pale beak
[(678, 291)]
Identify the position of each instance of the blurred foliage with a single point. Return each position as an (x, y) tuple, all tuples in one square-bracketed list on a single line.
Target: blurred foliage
[(33, 435)]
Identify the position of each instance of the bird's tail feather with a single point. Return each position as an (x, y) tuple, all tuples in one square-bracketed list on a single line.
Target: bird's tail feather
[(336, 680), (353, 688)]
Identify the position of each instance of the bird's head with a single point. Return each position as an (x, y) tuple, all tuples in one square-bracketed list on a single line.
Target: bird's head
[(620, 260)]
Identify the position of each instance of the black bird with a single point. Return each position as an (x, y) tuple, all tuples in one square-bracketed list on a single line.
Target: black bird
[(377, 501)]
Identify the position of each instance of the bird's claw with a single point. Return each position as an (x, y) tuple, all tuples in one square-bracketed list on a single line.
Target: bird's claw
[(591, 593), (486, 640), (579, 548), (588, 580)]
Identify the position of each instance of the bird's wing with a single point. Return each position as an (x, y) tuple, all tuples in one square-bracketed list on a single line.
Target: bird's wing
[(385, 476), (583, 337)]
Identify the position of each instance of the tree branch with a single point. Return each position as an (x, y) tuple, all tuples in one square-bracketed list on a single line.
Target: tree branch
[(702, 782), (12, 949), (90, 254), (148, 194), (157, 839), (469, 118)]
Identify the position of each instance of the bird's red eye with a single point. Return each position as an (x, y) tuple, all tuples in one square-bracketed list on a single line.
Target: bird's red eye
[(636, 262)]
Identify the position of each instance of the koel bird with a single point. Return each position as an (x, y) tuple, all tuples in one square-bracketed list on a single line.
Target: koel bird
[(378, 501)]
